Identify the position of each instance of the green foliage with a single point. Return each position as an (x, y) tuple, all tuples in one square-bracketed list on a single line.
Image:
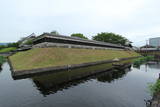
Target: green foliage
[(141, 60), (7, 49), (111, 38), (155, 88), (10, 45), (16, 44), (79, 35), (2, 60), (2, 46), (54, 32), (29, 42), (148, 58), (137, 63)]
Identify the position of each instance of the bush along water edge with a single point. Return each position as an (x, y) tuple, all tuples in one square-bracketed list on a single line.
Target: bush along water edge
[(142, 60)]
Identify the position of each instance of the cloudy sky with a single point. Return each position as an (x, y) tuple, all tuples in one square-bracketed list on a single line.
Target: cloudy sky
[(137, 20)]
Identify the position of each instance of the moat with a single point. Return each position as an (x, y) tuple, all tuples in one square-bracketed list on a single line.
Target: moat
[(123, 88)]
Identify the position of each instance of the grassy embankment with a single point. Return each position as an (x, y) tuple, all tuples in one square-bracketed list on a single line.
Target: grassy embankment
[(7, 49), (49, 57)]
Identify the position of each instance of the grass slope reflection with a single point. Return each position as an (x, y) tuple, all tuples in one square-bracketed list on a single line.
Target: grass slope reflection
[(51, 83)]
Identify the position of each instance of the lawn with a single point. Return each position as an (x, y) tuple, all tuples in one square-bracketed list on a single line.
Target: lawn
[(7, 49), (49, 57)]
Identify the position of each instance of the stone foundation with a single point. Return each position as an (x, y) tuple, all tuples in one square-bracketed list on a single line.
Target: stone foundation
[(47, 44)]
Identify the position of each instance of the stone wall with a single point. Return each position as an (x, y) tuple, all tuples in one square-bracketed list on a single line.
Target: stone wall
[(48, 44)]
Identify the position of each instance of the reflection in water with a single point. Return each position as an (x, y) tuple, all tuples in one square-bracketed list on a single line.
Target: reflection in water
[(155, 65), (1, 68), (51, 87), (138, 66), (113, 75), (51, 83), (150, 64), (80, 87)]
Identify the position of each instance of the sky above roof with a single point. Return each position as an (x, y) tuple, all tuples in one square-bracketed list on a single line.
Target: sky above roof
[(137, 20)]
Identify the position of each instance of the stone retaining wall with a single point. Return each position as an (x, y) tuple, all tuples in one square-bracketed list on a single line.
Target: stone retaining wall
[(47, 44)]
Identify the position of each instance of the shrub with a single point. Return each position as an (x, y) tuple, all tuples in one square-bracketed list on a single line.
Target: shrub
[(141, 60), (155, 88)]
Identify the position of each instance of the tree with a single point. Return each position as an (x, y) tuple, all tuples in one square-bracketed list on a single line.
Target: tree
[(2, 46), (29, 42), (15, 44), (111, 38), (79, 35), (54, 32)]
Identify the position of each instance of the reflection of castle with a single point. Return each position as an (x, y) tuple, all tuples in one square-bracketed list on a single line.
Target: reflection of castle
[(51, 88), (49, 84), (113, 75)]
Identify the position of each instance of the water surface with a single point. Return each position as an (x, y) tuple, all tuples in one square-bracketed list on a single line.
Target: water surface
[(124, 88)]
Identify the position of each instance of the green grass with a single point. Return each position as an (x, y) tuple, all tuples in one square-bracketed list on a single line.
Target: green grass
[(7, 49), (49, 57)]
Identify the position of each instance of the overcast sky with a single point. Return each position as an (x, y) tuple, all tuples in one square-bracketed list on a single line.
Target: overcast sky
[(137, 20)]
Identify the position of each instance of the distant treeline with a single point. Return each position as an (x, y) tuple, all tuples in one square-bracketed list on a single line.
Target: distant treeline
[(16, 44)]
